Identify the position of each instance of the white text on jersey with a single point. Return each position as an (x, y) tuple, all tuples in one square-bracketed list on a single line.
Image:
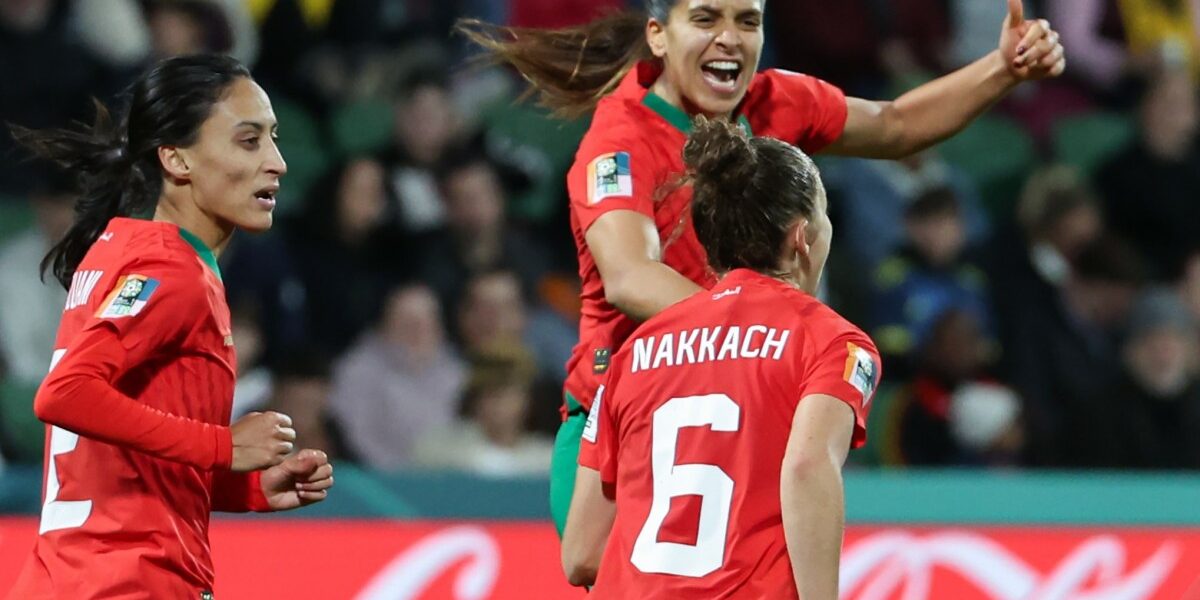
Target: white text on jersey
[(708, 344), (82, 285)]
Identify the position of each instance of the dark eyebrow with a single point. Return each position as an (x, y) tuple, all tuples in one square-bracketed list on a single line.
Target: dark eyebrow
[(753, 12), (706, 8), (257, 126)]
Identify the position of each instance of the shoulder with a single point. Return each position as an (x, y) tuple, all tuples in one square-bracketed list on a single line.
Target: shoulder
[(771, 82)]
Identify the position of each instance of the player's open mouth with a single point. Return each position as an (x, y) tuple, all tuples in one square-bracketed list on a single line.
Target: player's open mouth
[(266, 196), (722, 75)]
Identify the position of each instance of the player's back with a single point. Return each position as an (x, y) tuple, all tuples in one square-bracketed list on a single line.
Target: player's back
[(700, 402), (148, 516)]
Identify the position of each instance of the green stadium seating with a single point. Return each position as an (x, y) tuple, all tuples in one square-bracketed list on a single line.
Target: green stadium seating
[(24, 435), (362, 127), (1089, 140), (550, 143), (998, 154), (303, 147)]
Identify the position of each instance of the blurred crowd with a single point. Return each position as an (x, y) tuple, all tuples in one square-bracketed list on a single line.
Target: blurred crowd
[(1033, 283)]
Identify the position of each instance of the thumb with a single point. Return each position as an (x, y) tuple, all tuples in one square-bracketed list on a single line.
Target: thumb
[(1016, 13), (306, 462)]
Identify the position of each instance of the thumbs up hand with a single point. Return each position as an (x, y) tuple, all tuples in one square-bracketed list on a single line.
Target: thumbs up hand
[(1031, 49)]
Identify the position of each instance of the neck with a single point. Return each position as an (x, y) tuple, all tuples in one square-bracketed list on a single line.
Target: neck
[(214, 233), (667, 91)]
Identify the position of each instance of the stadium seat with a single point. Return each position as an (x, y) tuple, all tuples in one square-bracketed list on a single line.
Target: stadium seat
[(998, 154), (303, 147), (1089, 140), (361, 127), (539, 144), (24, 435)]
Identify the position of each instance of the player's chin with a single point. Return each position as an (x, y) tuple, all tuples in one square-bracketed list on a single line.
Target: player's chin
[(256, 221)]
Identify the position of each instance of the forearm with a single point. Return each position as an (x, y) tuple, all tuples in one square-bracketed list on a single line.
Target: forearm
[(813, 519), (941, 108), (79, 396), (647, 290)]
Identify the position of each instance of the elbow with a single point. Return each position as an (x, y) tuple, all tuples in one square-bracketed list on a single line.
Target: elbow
[(47, 403), (578, 573), (51, 403), (578, 564), (619, 293), (803, 466)]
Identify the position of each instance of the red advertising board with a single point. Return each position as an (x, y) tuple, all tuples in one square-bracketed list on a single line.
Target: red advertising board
[(384, 560)]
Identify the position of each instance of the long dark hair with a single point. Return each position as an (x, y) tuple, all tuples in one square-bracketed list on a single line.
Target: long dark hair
[(746, 193), (572, 68), (115, 161)]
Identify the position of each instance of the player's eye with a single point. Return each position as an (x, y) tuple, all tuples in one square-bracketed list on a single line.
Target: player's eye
[(250, 142), (752, 22), (703, 20)]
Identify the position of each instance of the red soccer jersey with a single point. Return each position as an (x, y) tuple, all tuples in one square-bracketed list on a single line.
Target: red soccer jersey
[(142, 384), (633, 152), (692, 427)]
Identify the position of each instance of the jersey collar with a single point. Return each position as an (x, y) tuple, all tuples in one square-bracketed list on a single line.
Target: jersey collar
[(206, 254), (643, 76)]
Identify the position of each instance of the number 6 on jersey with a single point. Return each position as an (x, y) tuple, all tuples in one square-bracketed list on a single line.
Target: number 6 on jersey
[(715, 488)]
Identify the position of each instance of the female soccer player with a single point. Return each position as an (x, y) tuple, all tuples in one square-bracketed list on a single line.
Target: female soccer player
[(137, 403), (709, 398), (646, 78)]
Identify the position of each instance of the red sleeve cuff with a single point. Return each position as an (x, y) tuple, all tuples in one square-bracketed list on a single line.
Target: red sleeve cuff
[(238, 492), (223, 457)]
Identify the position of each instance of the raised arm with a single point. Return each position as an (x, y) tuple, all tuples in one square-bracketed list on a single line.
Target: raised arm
[(1028, 50), (811, 493), (626, 248)]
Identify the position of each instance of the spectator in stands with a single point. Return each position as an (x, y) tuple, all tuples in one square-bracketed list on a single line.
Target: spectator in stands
[(48, 77), (398, 381), (1150, 189), (953, 413), (476, 237), (1189, 283), (1156, 406), (260, 272), (494, 439), (301, 390), (872, 195), (345, 252), (1058, 216), (930, 274), (1062, 356), (30, 308), (1114, 41), (426, 126), (179, 27)]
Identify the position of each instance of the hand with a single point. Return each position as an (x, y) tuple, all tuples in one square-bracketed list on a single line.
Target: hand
[(261, 440), (302, 479), (1030, 49)]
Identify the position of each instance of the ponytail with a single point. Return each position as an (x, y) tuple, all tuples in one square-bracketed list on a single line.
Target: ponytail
[(115, 163), (104, 173), (572, 68)]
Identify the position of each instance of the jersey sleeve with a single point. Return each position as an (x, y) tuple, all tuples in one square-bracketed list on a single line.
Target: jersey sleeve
[(797, 108), (598, 446), (150, 310), (238, 492), (848, 369), (614, 172)]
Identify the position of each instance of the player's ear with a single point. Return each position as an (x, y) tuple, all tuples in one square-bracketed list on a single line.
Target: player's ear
[(656, 37), (801, 236), (174, 161)]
